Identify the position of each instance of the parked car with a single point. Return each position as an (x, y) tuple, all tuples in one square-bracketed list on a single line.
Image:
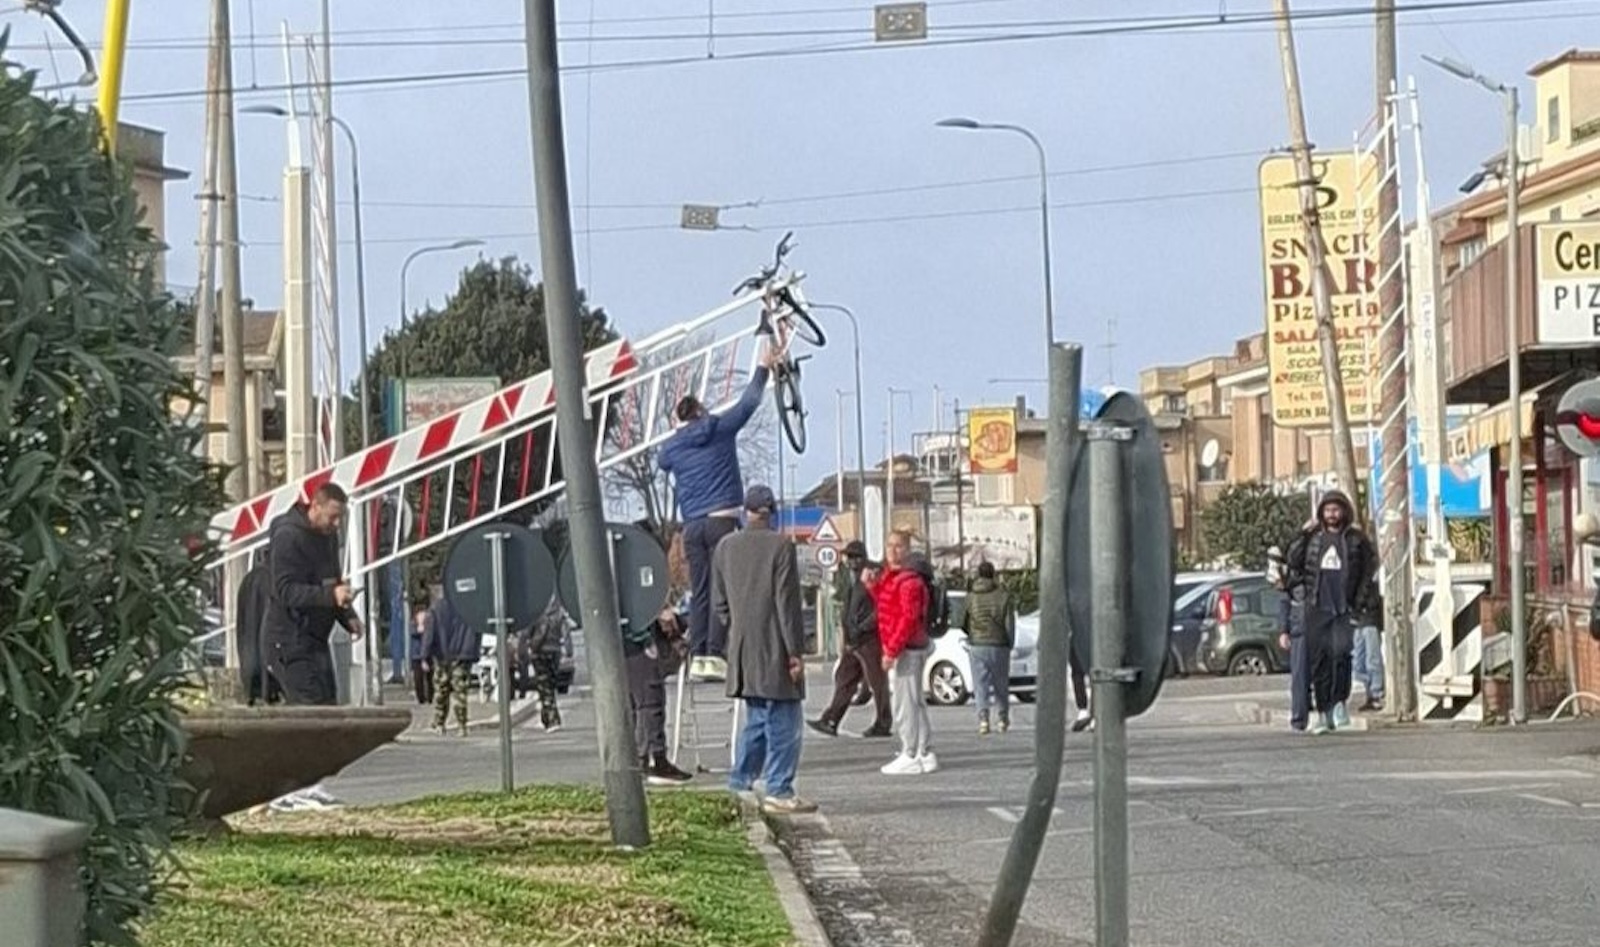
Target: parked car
[(1240, 632), (1190, 607), (948, 679)]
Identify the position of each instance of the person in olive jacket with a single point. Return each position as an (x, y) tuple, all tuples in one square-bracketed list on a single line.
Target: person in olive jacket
[(991, 626)]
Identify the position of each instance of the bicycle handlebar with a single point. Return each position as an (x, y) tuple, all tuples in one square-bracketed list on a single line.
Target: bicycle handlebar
[(768, 272), (47, 9)]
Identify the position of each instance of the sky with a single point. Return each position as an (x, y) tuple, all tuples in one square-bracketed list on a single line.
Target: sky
[(931, 235)]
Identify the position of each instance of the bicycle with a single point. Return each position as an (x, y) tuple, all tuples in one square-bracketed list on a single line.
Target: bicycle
[(47, 9), (784, 314)]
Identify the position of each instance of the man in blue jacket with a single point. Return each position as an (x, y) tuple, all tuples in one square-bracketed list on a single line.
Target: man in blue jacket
[(702, 458)]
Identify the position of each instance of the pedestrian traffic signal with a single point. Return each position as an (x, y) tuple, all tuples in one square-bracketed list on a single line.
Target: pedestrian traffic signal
[(1578, 418)]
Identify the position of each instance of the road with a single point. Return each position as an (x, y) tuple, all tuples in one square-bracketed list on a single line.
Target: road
[(1240, 833)]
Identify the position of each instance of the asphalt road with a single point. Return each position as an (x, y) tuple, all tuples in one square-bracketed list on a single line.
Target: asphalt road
[(1242, 835)]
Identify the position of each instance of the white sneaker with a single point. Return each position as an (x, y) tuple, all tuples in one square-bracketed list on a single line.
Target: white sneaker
[(929, 762), (902, 765)]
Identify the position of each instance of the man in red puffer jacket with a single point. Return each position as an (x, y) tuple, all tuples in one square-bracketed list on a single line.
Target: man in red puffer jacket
[(902, 596)]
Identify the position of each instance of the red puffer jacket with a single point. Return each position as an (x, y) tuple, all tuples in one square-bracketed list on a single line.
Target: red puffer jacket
[(902, 600)]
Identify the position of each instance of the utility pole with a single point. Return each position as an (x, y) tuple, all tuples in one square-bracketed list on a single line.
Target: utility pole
[(597, 592), (1394, 527), (1344, 461), (205, 316), (237, 452)]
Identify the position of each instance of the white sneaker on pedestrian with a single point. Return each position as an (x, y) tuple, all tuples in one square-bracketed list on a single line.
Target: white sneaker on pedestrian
[(1324, 725), (928, 762), (902, 765), (1340, 717)]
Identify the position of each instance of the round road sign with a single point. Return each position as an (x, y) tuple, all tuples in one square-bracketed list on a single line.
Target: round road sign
[(1147, 528), (1578, 418), (529, 579), (640, 567), (827, 556)]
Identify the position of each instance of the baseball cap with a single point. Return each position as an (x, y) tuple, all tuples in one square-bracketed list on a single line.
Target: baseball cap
[(856, 549), (759, 498)]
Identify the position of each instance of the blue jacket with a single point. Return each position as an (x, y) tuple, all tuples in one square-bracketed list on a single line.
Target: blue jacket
[(703, 456)]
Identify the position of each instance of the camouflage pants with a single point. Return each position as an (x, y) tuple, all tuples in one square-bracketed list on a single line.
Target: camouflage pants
[(450, 691), (546, 665)]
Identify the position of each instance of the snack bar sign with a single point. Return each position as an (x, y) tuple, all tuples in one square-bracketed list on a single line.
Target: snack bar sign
[(1569, 283)]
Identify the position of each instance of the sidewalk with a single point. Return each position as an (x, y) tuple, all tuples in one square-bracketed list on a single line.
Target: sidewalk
[(481, 714)]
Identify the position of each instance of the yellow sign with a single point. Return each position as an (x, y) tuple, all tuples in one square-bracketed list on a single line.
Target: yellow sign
[(1568, 273), (992, 440), (1350, 230)]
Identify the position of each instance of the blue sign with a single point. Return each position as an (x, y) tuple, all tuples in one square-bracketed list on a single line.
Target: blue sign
[(1091, 400), (1463, 487)]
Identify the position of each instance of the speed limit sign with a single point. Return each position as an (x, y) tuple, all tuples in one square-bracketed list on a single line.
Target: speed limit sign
[(827, 556)]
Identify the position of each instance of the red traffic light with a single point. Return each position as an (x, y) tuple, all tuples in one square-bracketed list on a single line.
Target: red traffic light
[(1587, 424), (1578, 418)]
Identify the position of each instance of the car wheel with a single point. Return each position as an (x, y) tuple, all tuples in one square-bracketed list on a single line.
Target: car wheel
[(1252, 661), (946, 686)]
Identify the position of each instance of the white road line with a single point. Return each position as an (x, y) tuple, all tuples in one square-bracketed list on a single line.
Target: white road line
[(1516, 787), (1469, 775), (1547, 800)]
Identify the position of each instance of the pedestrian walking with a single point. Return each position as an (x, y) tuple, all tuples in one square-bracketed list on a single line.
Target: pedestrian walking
[(1334, 567), (539, 662), (450, 647), (1291, 633), (702, 459), (755, 590), (421, 680), (861, 657), (1367, 655), (903, 596), (652, 655), (309, 595), (990, 622)]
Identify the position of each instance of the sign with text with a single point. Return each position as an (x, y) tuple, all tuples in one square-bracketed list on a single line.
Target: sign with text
[(430, 398), (1350, 232), (992, 440), (1568, 275)]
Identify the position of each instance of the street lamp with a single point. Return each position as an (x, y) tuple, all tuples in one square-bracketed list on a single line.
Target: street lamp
[(889, 471), (405, 310), (861, 442), (1519, 629), (361, 259), (1044, 209)]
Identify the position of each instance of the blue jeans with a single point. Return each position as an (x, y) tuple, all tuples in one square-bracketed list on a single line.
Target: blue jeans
[(991, 679), (769, 746), (1368, 660)]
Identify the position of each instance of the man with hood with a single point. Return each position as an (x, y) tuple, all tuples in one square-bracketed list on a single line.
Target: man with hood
[(862, 657), (702, 457), (1333, 565), (309, 595)]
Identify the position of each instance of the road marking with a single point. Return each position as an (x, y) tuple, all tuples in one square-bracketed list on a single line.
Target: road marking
[(1222, 698), (1547, 800), (1469, 775), (1174, 781), (848, 905), (1480, 790), (1013, 814)]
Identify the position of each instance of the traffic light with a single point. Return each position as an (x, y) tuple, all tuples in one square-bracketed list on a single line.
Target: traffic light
[(1578, 418)]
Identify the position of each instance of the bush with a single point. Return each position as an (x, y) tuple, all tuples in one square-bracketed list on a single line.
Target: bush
[(101, 488), (1246, 519)]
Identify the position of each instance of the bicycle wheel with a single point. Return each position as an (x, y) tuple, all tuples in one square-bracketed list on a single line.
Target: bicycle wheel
[(791, 408), (804, 326)]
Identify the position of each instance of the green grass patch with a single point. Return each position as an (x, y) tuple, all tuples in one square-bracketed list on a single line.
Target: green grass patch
[(532, 868)]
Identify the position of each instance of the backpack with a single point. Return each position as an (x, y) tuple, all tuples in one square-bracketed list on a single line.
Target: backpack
[(938, 599)]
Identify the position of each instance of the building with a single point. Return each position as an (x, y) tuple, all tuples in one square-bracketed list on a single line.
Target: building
[(264, 422), (145, 149)]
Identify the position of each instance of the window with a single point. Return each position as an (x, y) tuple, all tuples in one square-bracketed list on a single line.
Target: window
[(993, 489), (1552, 118)]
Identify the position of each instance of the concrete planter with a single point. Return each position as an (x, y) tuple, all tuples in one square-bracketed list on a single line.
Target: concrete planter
[(243, 756)]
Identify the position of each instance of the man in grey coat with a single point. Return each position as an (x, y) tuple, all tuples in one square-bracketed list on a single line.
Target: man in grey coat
[(755, 592)]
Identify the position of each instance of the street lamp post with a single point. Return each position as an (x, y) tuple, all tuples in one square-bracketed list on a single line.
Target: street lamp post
[(861, 437), (889, 470), (1519, 629), (1044, 209)]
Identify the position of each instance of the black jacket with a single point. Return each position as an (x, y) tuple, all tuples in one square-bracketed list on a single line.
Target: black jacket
[(449, 638), (255, 602), (1360, 568), (860, 614), (305, 566)]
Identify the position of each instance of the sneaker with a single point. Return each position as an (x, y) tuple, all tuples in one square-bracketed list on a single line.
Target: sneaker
[(1005, 724), (902, 765), (714, 668), (875, 732), (823, 726), (551, 723), (1324, 725), (983, 725), (1083, 722), (929, 762), (663, 773), (1340, 718), (788, 805)]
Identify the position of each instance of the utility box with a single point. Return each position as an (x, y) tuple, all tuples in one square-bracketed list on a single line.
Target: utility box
[(41, 900)]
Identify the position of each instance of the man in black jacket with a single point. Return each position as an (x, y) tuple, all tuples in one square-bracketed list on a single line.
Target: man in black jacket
[(255, 602), (1333, 563), (861, 656), (308, 596)]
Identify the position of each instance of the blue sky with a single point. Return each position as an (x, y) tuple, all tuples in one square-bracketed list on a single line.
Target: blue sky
[(1153, 138)]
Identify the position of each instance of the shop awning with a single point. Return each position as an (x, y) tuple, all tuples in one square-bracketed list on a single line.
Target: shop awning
[(1491, 427)]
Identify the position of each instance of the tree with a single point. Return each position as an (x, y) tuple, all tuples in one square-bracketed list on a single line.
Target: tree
[(636, 483), (492, 325), (1246, 519), (101, 567)]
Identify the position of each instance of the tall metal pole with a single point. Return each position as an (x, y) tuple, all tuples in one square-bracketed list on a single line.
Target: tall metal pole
[(1519, 625), (502, 657), (1344, 462), (624, 787), (1016, 871), (113, 47), (205, 317), (361, 281), (1395, 527), (1109, 582), (890, 478), (330, 236), (236, 453), (961, 503), (838, 447), (861, 424)]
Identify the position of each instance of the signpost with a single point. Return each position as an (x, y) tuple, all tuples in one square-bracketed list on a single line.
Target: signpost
[(640, 566), (827, 556)]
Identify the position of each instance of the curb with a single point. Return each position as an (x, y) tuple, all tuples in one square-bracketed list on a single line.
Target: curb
[(803, 920)]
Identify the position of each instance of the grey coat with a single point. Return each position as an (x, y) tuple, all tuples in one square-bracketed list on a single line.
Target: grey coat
[(755, 590)]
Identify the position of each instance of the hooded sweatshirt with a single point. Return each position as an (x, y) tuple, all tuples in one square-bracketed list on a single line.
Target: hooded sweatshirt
[(703, 456), (1334, 568), (304, 564)]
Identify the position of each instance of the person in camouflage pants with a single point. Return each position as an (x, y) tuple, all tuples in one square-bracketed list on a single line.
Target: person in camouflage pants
[(449, 647), (539, 648)]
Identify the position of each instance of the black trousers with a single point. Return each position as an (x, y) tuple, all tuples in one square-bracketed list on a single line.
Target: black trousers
[(647, 693), (1329, 640), (861, 663), (304, 669), (707, 636), (1080, 681), (421, 681)]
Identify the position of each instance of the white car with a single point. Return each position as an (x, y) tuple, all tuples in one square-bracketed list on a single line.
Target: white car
[(948, 676)]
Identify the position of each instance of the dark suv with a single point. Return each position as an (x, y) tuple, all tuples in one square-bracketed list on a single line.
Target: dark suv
[(1240, 632)]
